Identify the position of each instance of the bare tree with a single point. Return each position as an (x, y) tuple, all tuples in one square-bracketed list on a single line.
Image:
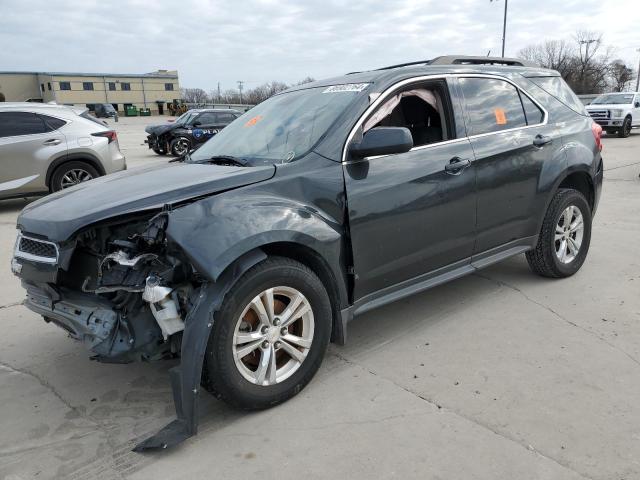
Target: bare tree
[(554, 54), (194, 95), (621, 75)]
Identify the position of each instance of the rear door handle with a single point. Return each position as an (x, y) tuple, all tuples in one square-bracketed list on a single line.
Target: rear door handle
[(53, 141), (456, 165), (542, 140)]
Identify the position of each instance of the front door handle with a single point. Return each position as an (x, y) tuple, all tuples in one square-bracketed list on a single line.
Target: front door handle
[(53, 141), (456, 165), (542, 140)]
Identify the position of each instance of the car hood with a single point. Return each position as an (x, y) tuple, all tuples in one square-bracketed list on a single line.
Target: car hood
[(609, 106), (160, 128), (61, 214)]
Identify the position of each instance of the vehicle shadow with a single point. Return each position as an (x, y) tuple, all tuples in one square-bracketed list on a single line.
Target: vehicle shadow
[(15, 205)]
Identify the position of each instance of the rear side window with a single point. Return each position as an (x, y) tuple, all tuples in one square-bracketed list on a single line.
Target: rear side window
[(492, 105), (225, 118), (20, 123), (531, 110), (558, 88), (52, 123)]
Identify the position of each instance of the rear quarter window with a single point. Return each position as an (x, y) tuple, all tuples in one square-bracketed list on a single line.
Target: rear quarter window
[(52, 123), (558, 88)]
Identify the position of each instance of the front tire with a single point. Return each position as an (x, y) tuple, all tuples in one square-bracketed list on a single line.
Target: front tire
[(269, 336), (180, 146), (565, 236), (625, 131)]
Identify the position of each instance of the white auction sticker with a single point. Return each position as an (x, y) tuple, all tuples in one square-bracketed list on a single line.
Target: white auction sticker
[(347, 87)]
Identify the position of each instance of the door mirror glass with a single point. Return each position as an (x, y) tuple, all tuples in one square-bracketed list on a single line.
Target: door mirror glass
[(196, 123), (382, 141), (637, 104)]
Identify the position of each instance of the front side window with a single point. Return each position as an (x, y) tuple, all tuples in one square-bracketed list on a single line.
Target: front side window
[(419, 109), (492, 105), (65, 85), (225, 118), (284, 127), (87, 85), (206, 118), (20, 123), (125, 86)]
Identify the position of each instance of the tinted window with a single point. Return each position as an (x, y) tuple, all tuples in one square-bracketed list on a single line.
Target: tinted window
[(87, 85), (20, 123), (125, 86), (65, 85), (48, 85), (531, 110), (112, 85), (225, 118), (558, 88), (168, 86), (207, 119), (52, 123), (492, 105)]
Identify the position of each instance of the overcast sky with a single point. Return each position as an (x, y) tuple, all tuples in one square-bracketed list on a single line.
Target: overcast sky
[(210, 41)]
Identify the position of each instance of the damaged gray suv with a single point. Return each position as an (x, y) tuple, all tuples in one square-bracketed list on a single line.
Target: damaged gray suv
[(247, 257)]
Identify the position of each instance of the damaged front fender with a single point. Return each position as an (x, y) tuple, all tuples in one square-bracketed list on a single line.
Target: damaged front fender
[(185, 378)]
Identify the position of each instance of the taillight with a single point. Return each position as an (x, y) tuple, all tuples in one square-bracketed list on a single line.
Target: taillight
[(110, 134), (597, 134)]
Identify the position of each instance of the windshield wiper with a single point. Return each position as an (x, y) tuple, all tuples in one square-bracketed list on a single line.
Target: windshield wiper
[(224, 160)]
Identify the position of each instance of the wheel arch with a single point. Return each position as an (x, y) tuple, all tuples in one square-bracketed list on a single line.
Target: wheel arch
[(71, 157)]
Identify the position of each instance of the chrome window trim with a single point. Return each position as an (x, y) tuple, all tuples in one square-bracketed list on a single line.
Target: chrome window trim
[(384, 95), (17, 253)]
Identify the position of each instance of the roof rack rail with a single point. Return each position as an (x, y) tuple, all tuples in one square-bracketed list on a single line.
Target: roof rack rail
[(419, 62), (471, 60)]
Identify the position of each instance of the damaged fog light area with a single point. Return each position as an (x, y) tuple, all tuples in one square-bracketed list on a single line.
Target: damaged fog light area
[(163, 306)]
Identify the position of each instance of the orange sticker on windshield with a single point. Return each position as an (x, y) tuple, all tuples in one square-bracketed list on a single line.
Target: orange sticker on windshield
[(252, 121), (501, 118)]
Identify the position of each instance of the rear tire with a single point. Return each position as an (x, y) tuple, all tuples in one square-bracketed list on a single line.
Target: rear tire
[(71, 174), (564, 238), (238, 379), (625, 131)]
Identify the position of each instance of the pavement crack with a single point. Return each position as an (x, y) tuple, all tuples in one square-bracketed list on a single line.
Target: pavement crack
[(468, 418), (560, 316), (9, 305)]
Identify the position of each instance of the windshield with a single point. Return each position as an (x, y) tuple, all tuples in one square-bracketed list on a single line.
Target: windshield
[(185, 117), (614, 99), (282, 128)]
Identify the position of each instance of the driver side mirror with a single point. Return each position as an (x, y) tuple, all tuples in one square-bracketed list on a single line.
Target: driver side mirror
[(382, 141), (637, 104), (196, 124)]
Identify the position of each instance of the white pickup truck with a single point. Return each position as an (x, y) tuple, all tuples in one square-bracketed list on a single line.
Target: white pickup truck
[(616, 112)]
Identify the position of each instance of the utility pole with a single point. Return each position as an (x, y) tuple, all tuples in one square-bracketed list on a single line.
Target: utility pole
[(587, 43), (638, 73), (219, 92), (240, 83), (504, 24)]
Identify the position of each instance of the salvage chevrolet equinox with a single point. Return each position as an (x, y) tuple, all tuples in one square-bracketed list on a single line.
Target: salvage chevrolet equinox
[(247, 257)]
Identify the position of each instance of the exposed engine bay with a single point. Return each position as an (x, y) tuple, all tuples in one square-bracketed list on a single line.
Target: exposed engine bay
[(125, 293)]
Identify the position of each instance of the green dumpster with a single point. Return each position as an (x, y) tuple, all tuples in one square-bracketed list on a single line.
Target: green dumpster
[(131, 111), (145, 112)]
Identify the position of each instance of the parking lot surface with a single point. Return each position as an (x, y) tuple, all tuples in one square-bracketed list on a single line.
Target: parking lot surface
[(499, 375)]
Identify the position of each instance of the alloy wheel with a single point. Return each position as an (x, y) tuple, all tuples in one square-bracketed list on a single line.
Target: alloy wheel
[(273, 336), (74, 177), (569, 233)]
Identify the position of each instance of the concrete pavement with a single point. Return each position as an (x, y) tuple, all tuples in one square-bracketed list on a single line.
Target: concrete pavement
[(500, 375)]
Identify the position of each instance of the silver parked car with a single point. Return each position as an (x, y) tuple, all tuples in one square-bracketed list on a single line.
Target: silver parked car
[(45, 148)]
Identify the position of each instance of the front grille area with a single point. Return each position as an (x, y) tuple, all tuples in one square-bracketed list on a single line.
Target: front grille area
[(36, 250), (599, 114)]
